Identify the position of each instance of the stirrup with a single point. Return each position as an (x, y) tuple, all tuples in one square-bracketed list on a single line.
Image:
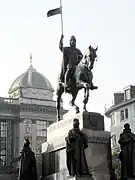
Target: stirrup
[(61, 83)]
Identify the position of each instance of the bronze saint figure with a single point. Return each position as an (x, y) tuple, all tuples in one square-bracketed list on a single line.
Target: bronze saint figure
[(76, 143), (113, 175), (127, 154), (75, 74), (71, 58), (28, 170)]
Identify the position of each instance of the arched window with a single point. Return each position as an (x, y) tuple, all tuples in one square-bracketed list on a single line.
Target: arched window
[(41, 127)]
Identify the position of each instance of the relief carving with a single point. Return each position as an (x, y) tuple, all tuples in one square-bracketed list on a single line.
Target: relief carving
[(27, 127)]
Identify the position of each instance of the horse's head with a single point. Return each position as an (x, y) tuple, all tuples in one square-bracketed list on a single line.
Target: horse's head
[(91, 56), (93, 53)]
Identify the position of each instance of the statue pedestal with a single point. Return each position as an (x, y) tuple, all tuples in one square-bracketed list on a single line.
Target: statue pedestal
[(80, 178), (98, 153)]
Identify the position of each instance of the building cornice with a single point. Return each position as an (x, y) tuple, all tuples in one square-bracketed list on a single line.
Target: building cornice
[(8, 117), (118, 106), (27, 87), (39, 108), (38, 99), (9, 111)]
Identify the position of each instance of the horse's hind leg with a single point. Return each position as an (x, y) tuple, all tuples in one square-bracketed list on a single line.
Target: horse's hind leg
[(86, 98), (72, 102), (60, 90), (58, 107)]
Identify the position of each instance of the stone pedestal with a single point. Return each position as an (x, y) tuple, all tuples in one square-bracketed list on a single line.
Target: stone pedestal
[(64, 176), (80, 178), (98, 153)]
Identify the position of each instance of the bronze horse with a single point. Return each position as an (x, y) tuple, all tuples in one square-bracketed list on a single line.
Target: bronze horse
[(81, 79)]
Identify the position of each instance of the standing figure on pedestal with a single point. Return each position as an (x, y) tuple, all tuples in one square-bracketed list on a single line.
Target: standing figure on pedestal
[(113, 175), (127, 154), (76, 143), (28, 170)]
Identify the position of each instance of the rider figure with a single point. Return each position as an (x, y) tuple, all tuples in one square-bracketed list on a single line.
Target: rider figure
[(71, 58)]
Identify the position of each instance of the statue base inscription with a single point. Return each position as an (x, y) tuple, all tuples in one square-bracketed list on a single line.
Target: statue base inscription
[(98, 154)]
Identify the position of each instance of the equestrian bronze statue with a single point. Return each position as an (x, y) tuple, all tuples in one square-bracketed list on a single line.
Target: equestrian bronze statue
[(76, 73)]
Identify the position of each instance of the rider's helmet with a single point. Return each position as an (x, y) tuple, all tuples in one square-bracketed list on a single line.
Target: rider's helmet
[(72, 41)]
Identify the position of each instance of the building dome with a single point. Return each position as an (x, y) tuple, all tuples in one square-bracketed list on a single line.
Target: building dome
[(31, 78)]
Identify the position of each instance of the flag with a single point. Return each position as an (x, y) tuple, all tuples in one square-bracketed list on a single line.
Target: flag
[(54, 12)]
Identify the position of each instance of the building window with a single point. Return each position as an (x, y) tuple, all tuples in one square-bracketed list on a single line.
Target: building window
[(112, 119), (3, 130), (3, 157), (127, 94), (122, 115), (114, 142), (126, 113), (41, 127), (3, 137), (133, 110)]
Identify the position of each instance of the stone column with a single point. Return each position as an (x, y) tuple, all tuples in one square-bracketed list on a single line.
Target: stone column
[(9, 141), (21, 136), (34, 135)]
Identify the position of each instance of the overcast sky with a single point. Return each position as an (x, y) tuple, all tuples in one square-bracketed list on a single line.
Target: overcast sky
[(110, 24)]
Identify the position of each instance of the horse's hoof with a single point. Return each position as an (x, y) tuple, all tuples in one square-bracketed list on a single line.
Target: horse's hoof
[(94, 87), (85, 110), (77, 111), (58, 119)]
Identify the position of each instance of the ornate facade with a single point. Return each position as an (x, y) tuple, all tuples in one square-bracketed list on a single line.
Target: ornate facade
[(28, 111)]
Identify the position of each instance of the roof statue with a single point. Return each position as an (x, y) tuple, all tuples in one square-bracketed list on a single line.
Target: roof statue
[(30, 59)]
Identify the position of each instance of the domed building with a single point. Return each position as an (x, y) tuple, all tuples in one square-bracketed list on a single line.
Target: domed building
[(28, 111), (31, 84)]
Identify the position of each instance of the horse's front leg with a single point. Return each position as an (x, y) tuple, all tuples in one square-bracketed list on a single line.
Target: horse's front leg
[(58, 107), (86, 98), (72, 102), (60, 90)]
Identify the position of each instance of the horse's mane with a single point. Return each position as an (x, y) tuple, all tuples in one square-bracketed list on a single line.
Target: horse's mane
[(84, 61)]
